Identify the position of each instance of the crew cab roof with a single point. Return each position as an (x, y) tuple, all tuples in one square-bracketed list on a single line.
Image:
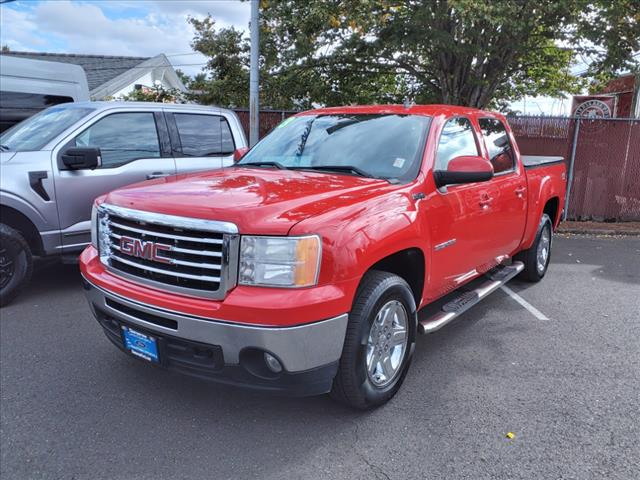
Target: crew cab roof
[(430, 110), (105, 105)]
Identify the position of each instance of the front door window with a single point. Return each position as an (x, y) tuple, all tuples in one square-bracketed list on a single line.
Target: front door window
[(457, 139), (122, 138)]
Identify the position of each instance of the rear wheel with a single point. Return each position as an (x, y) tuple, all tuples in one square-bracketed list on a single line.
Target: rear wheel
[(379, 342), (536, 259), (16, 263)]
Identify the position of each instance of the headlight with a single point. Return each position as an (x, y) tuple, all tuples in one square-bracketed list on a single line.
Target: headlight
[(280, 261), (94, 226), (100, 233)]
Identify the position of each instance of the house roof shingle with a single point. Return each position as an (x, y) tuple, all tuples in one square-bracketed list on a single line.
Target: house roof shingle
[(99, 68)]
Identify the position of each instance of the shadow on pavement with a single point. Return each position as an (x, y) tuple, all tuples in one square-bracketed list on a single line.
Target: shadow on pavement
[(609, 258), (50, 277)]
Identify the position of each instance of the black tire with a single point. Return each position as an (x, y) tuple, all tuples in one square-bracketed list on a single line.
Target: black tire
[(532, 272), (16, 263), (352, 385)]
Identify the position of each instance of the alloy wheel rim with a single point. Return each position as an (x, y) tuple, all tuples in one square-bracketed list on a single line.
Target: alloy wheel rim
[(544, 247), (7, 267), (387, 343)]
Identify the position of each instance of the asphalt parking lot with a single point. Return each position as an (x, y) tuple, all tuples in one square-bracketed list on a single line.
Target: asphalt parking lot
[(72, 406)]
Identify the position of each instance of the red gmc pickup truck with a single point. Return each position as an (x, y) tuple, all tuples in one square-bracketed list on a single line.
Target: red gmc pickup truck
[(311, 264)]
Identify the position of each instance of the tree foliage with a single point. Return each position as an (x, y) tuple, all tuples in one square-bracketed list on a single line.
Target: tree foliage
[(466, 52), (157, 93)]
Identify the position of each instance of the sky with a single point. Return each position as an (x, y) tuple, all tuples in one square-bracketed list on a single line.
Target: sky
[(144, 28), (134, 28)]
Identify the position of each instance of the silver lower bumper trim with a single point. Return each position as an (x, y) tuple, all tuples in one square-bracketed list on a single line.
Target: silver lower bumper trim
[(299, 348)]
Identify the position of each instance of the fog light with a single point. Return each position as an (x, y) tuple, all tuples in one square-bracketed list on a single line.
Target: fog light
[(272, 362)]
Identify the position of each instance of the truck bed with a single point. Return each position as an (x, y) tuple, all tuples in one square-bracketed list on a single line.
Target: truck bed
[(532, 161)]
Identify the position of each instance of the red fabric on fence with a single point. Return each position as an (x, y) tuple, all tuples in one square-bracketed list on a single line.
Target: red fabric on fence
[(542, 135), (606, 182), (269, 119)]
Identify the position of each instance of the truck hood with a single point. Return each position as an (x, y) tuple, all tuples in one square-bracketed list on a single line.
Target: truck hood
[(257, 200)]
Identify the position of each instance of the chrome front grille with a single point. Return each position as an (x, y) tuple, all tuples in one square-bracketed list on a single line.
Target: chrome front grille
[(186, 255)]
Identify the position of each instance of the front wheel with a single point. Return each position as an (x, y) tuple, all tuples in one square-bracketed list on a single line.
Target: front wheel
[(536, 258), (379, 342), (16, 263)]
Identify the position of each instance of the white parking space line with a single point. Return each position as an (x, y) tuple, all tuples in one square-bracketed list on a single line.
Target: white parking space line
[(534, 311)]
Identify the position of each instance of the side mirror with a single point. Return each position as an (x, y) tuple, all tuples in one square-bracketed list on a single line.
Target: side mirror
[(239, 153), (81, 158), (464, 169)]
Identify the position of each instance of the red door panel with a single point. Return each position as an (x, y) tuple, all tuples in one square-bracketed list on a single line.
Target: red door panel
[(460, 228)]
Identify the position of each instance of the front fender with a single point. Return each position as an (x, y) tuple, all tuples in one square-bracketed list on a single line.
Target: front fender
[(23, 206), (356, 238)]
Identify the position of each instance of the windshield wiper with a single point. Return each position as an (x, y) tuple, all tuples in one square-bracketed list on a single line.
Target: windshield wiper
[(304, 137), (350, 121), (4, 148), (262, 164), (338, 168)]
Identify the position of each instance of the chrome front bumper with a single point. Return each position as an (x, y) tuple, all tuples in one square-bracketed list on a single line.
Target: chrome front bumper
[(300, 348)]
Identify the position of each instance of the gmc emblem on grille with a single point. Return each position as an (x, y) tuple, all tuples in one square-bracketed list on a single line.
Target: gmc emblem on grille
[(147, 250)]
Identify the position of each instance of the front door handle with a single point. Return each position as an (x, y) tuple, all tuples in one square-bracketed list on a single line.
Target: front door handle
[(485, 201), (520, 191), (153, 175)]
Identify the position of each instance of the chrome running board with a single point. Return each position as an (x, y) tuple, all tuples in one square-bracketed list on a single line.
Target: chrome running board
[(457, 306)]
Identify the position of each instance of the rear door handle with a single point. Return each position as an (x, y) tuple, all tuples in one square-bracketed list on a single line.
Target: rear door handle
[(153, 175), (520, 191)]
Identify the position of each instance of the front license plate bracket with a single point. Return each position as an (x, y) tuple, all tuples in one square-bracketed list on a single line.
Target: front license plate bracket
[(140, 344)]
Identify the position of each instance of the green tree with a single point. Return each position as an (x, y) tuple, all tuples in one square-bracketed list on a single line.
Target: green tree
[(283, 84), (184, 78), (466, 52), (225, 80), (157, 93)]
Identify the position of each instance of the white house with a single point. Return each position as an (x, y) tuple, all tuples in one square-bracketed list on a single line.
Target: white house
[(114, 76)]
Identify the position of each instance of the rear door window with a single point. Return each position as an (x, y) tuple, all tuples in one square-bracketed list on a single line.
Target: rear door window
[(498, 145), (203, 135), (228, 145), (122, 138)]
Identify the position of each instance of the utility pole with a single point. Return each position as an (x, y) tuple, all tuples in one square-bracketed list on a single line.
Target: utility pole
[(254, 101)]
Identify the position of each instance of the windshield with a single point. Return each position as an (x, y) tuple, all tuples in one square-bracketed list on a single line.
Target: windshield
[(35, 132), (378, 146)]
